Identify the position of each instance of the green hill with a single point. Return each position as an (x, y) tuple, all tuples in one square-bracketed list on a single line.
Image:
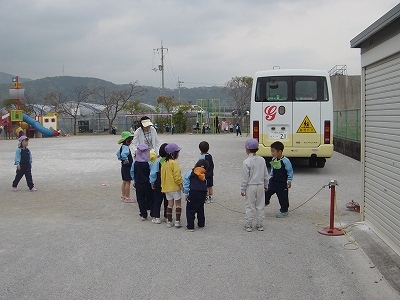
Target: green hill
[(66, 84), (7, 78)]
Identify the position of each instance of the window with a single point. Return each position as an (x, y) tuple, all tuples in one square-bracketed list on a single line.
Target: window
[(306, 90), (273, 89), (291, 88), (280, 93)]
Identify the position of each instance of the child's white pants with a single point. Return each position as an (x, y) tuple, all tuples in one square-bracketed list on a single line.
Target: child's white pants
[(255, 201)]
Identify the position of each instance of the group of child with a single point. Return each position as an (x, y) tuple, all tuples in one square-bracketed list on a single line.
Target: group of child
[(258, 189), (159, 180)]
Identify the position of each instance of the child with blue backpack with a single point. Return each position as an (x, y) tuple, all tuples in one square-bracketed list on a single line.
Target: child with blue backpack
[(125, 156)]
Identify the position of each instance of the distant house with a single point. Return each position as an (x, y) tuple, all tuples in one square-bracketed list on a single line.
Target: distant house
[(40, 109)]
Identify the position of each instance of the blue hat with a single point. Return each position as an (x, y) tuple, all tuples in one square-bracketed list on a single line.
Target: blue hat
[(171, 148), (251, 144), (142, 153)]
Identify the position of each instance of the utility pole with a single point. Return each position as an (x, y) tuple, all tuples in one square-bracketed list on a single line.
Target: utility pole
[(161, 67), (179, 89)]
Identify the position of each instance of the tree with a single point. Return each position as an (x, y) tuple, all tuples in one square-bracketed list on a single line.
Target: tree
[(167, 102), (239, 88), (135, 107), (115, 101), (10, 104), (180, 121), (37, 99), (70, 107)]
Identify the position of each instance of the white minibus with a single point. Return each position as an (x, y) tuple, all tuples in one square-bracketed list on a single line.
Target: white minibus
[(294, 107)]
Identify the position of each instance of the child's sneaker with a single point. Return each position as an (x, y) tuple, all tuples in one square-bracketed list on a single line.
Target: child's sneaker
[(260, 227), (33, 189), (157, 220), (178, 224), (281, 214), (15, 189), (248, 227), (130, 200), (210, 199), (170, 224), (153, 220)]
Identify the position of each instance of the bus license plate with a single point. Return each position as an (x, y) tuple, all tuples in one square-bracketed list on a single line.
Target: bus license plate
[(277, 136)]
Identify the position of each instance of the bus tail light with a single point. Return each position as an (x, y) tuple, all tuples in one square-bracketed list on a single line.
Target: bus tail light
[(327, 132), (256, 130)]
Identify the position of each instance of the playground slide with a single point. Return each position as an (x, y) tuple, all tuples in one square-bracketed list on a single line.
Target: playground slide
[(46, 132)]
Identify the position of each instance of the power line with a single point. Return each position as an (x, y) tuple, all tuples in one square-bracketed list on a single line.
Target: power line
[(172, 69)]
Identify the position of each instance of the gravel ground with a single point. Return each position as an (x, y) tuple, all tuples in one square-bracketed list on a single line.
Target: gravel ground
[(74, 239)]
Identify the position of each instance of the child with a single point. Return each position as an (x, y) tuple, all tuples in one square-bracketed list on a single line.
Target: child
[(281, 179), (23, 161), (254, 184), (195, 189), (140, 173), (155, 181), (171, 183), (125, 156), (204, 147), (238, 129)]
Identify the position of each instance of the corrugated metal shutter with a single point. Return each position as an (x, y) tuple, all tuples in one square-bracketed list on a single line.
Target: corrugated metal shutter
[(382, 149)]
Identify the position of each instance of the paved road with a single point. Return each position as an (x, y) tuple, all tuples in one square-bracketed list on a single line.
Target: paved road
[(74, 239)]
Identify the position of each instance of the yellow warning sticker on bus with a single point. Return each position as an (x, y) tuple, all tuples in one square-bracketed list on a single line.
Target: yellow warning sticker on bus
[(306, 126)]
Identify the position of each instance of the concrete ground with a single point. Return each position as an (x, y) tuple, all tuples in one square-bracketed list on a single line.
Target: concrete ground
[(74, 239)]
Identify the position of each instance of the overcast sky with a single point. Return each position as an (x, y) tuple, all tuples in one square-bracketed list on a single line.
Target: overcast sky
[(208, 41)]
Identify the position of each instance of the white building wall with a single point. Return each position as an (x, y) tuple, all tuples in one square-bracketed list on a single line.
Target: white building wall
[(381, 141)]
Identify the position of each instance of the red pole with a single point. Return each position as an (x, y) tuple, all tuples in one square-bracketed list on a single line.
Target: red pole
[(332, 230), (332, 211)]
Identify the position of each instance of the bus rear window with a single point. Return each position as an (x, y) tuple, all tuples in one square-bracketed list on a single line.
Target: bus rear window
[(291, 88), (305, 90), (278, 92)]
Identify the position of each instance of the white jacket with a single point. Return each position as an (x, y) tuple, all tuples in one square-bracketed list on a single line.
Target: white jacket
[(138, 138)]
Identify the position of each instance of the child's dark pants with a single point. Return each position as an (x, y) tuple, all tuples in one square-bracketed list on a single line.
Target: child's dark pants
[(145, 198), (281, 191), (159, 197), (194, 206), (25, 169)]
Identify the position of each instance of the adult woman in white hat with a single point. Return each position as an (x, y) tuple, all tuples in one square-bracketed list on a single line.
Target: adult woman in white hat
[(146, 134)]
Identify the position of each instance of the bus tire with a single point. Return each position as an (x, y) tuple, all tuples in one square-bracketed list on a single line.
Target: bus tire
[(321, 162), (312, 162)]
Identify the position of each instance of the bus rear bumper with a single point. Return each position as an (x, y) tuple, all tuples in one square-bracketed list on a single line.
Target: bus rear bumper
[(323, 151)]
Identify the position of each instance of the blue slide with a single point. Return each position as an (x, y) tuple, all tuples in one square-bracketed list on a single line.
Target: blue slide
[(46, 132)]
